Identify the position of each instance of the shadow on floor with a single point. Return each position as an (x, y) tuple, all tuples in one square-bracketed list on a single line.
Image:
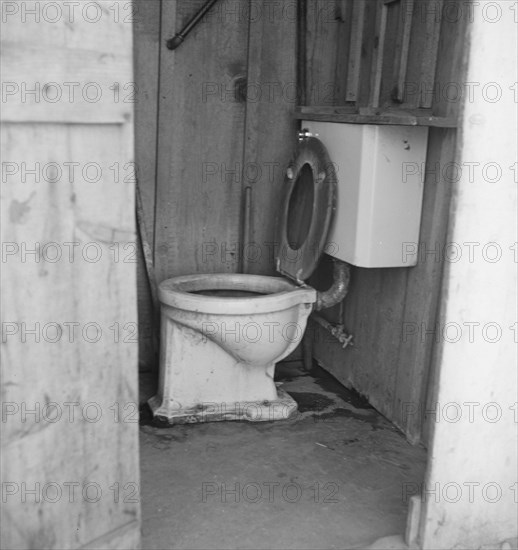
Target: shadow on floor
[(332, 476)]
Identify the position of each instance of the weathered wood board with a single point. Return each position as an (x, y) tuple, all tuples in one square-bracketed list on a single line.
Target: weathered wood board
[(389, 310), (200, 134), (69, 341), (146, 29)]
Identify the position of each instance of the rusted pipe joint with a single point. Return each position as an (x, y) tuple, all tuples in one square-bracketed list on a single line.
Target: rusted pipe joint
[(338, 290)]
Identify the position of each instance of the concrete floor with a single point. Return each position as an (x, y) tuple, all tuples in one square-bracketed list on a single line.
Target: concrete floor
[(331, 477)]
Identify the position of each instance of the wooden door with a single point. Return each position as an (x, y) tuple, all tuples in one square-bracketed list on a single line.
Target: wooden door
[(70, 475)]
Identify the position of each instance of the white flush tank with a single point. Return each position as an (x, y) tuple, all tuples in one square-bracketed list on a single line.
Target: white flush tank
[(380, 190)]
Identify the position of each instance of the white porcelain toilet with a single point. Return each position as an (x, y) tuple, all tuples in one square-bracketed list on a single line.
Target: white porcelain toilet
[(222, 334)]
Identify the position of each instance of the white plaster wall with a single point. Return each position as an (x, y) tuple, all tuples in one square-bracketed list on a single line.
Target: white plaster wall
[(470, 452)]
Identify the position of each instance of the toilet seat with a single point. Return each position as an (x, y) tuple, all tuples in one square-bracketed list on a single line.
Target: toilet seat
[(311, 173)]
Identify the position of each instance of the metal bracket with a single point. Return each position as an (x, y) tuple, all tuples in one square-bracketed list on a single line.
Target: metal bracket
[(305, 134)]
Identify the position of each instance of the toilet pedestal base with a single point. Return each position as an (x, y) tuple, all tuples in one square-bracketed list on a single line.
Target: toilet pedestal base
[(254, 411)]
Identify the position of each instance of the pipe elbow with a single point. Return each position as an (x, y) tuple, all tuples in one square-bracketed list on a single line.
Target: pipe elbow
[(338, 290)]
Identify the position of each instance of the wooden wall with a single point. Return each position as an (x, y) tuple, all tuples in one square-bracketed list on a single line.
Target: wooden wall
[(70, 474), (391, 312), (225, 131), (229, 100)]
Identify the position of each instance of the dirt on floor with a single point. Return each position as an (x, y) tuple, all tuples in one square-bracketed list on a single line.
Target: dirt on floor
[(335, 475)]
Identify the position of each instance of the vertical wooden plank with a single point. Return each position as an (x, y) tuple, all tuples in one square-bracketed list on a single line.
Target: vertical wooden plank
[(450, 60), (69, 358), (380, 299), (417, 328), (146, 352), (200, 147), (429, 56), (271, 131), (253, 122), (343, 43), (367, 54), (355, 51), (453, 36), (302, 54), (433, 49), (362, 322), (379, 47), (327, 39), (372, 311), (403, 54), (146, 32), (392, 46), (146, 29)]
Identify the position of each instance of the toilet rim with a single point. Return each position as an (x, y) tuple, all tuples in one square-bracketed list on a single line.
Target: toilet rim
[(279, 293)]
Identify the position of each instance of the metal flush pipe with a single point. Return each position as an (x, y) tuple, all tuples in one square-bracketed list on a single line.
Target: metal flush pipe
[(338, 290), (332, 296)]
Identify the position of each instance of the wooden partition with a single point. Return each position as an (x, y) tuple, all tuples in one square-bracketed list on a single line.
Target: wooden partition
[(394, 62), (70, 475), (222, 107)]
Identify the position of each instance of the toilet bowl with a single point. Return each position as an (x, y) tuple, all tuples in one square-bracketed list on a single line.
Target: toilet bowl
[(222, 334)]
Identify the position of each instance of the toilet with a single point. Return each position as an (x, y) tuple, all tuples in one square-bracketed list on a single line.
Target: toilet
[(222, 334)]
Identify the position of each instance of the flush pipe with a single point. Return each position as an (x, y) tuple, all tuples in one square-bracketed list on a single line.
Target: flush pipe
[(338, 290), (334, 295)]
